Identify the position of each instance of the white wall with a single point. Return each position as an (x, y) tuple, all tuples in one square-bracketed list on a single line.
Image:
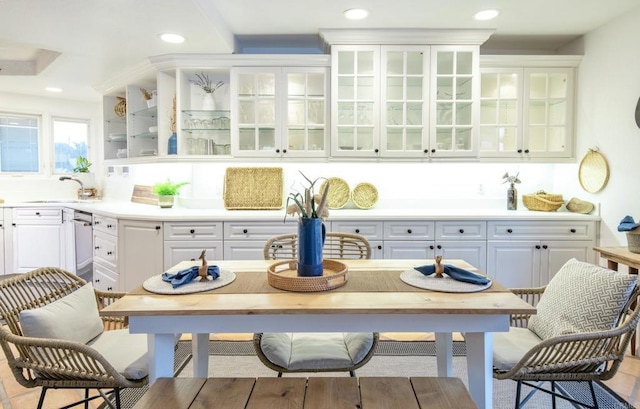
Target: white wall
[(45, 185), (609, 88)]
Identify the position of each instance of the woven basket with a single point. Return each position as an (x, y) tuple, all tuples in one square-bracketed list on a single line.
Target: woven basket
[(284, 275), (542, 201), (633, 241), (364, 195), (253, 189), (339, 192), (121, 107)]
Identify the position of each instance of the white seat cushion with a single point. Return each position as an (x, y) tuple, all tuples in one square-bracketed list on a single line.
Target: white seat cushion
[(126, 352), (510, 347), (316, 351), (581, 297)]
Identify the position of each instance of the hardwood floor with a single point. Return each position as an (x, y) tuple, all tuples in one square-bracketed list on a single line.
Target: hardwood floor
[(626, 383)]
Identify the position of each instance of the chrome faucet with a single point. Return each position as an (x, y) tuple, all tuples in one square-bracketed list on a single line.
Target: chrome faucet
[(83, 193)]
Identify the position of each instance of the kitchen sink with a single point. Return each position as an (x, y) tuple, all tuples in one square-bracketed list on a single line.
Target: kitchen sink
[(52, 201)]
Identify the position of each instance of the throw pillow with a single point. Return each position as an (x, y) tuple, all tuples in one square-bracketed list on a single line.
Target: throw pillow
[(581, 297), (73, 317)]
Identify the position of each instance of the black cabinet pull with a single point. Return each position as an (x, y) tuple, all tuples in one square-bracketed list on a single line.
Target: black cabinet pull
[(409, 231), (526, 151), (538, 246), (509, 230), (96, 248), (357, 230), (519, 150), (433, 151), (379, 247), (277, 150), (431, 247), (245, 231), (376, 150), (97, 222), (192, 231), (284, 151), (109, 253), (109, 288), (97, 280), (426, 151), (158, 227), (37, 213), (461, 231), (572, 230), (544, 246), (439, 247)]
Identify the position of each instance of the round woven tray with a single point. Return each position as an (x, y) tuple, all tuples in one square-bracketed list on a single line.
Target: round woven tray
[(339, 192), (593, 173), (364, 195), (284, 276)]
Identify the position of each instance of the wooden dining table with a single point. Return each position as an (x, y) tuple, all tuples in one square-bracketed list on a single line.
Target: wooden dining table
[(374, 298)]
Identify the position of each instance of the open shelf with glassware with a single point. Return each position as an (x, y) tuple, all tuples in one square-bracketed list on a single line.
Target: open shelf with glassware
[(206, 132)]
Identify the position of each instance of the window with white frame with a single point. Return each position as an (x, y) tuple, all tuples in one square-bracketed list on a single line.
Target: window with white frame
[(19, 143), (70, 140)]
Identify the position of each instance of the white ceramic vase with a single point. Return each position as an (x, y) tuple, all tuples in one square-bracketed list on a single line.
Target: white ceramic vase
[(208, 103)]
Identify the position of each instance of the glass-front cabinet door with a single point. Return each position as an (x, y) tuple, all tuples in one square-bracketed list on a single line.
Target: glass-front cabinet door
[(454, 90), (404, 96), (355, 93)]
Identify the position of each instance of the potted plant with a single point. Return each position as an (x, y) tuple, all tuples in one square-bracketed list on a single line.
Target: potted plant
[(166, 192), (83, 173), (204, 82)]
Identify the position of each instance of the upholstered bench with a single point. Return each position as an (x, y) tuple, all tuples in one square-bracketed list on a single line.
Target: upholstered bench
[(311, 393)]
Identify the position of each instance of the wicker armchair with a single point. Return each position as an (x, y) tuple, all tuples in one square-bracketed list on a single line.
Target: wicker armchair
[(586, 357), (55, 363), (307, 352), (336, 246)]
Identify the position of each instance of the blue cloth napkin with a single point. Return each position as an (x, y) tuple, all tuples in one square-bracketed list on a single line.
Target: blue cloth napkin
[(188, 274), (627, 224), (456, 273)]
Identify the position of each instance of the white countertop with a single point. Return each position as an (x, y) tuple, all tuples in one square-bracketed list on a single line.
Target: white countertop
[(137, 211)]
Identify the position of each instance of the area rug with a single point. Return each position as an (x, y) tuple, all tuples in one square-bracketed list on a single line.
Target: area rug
[(392, 358)]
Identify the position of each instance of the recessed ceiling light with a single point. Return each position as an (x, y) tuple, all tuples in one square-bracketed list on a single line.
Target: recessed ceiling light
[(172, 38), (356, 14), (486, 14), (53, 89)]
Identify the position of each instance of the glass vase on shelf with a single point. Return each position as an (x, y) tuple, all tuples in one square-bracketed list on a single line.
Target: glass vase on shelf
[(512, 198)]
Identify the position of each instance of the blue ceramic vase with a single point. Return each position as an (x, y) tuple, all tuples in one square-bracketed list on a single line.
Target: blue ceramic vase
[(311, 234)]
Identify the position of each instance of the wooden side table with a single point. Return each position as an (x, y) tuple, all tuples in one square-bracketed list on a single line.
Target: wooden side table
[(621, 255)]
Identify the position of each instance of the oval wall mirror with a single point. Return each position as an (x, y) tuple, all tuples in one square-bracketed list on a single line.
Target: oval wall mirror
[(638, 113), (593, 172)]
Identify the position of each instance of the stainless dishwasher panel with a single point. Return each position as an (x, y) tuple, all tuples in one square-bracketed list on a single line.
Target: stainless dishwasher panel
[(83, 239)]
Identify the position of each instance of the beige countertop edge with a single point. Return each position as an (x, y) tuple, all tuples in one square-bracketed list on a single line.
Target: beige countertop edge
[(136, 211)]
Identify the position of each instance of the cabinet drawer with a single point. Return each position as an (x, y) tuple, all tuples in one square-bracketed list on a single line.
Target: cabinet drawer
[(541, 230), (104, 278), (257, 230), (27, 214), (409, 230), (105, 249), (471, 230), (370, 230), (105, 224), (177, 251), (193, 231)]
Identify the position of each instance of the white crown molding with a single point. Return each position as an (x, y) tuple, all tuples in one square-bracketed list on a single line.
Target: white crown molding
[(409, 36), (140, 72), (504, 60), (213, 61)]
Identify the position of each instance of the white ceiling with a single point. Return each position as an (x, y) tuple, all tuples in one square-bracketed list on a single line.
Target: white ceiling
[(99, 39)]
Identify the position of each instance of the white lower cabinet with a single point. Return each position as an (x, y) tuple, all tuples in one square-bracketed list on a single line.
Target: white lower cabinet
[(2, 230), (104, 278), (186, 240), (140, 246), (372, 230), (38, 239), (105, 253), (246, 240)]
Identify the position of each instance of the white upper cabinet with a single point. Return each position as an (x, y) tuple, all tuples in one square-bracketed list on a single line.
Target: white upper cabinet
[(280, 111), (526, 107)]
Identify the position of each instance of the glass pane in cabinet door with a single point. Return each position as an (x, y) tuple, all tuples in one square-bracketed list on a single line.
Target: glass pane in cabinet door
[(296, 84), (394, 88), (464, 63), (266, 84), (315, 85), (537, 139), (365, 138), (489, 85), (296, 139), (394, 113), (556, 139), (463, 88), (246, 139), (414, 113), (315, 112), (346, 62), (414, 139), (346, 88), (266, 112), (444, 140), (557, 112), (445, 89), (365, 113), (508, 113), (316, 139), (246, 114), (266, 139), (558, 85), (445, 63), (365, 62), (463, 113), (246, 84), (365, 88), (537, 112), (488, 112), (415, 63), (296, 113), (508, 139), (462, 139), (345, 113), (538, 86), (395, 61), (394, 139), (509, 86), (346, 139), (444, 111), (489, 138), (414, 88)]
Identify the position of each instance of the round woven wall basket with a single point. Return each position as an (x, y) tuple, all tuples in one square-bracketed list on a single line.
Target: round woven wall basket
[(364, 195), (339, 192)]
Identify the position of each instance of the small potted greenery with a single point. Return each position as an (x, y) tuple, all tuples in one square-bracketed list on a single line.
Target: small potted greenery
[(83, 173), (82, 165), (166, 192)]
